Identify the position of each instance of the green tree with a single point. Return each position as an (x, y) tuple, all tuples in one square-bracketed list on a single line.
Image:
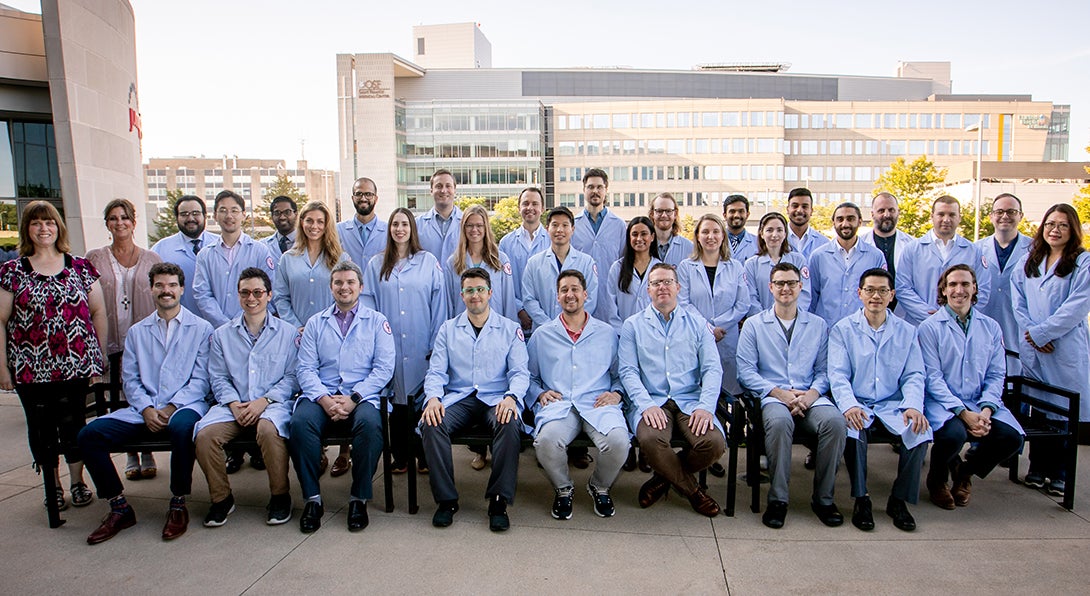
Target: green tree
[(912, 184), (987, 228), (506, 217), (9, 219), (262, 223), (821, 219), (1081, 202), (464, 203), (688, 226), (164, 223)]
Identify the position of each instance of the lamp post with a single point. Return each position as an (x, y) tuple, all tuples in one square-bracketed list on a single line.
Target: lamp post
[(979, 128)]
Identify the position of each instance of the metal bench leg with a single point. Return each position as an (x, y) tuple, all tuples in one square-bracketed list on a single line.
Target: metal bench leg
[(1069, 464), (410, 433), (387, 472)]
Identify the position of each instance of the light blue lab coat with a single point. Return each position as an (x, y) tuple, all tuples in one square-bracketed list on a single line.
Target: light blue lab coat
[(300, 289), (431, 235), (766, 361), (579, 371), (360, 363), (758, 269), (679, 249), (723, 306), (1054, 309), (656, 365), (604, 247), (835, 283), (216, 283), (503, 289), (241, 372), (349, 234), (513, 246), (621, 305), (1001, 305), (273, 244), (811, 241), (882, 373), (746, 248), (177, 249), (964, 370), (154, 374), (414, 301), (918, 275), (903, 240), (539, 283), (494, 363)]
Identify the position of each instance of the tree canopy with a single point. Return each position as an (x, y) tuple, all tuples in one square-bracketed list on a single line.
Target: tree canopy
[(282, 186), (912, 184), (164, 223)]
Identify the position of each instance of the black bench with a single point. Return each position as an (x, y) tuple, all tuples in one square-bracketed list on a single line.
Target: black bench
[(1029, 409)]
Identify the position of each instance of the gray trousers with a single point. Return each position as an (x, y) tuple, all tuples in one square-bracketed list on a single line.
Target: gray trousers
[(551, 447), (506, 443), (906, 486), (827, 423)]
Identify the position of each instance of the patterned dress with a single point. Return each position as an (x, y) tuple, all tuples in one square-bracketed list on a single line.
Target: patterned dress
[(50, 334)]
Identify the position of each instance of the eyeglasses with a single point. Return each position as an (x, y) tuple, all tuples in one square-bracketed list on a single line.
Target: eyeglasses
[(875, 291), (790, 284), (662, 283), (284, 213), (475, 290), (232, 211), (1006, 212), (663, 211), (1057, 225), (259, 294), (188, 214), (474, 226), (360, 194)]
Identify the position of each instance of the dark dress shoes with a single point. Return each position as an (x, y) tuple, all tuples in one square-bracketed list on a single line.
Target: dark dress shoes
[(897, 509), (828, 514), (311, 519), (775, 514), (357, 516), (653, 490), (862, 516), (177, 522), (114, 522)]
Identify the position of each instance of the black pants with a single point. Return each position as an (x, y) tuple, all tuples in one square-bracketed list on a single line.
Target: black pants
[(998, 445), (403, 438), (54, 416)]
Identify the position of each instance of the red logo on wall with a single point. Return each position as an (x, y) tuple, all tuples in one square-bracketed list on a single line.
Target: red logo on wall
[(134, 112)]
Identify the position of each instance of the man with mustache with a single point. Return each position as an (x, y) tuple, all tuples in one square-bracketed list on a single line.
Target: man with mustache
[(364, 235), (885, 212), (800, 234), (181, 249), (743, 244), (284, 212), (836, 266)]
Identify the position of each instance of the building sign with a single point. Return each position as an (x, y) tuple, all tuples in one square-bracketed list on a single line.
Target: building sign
[(373, 89), (1037, 122), (134, 112)]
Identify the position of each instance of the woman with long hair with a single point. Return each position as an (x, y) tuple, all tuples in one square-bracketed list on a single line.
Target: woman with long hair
[(406, 283), (1051, 289), (477, 247), (714, 284), (626, 286), (52, 334), (773, 247), (124, 268)]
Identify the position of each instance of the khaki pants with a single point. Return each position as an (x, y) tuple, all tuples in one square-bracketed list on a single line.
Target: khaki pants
[(212, 459), (655, 445)]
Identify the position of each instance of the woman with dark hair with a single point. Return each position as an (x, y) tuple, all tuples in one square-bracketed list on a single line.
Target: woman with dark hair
[(1051, 289), (124, 268), (405, 283), (52, 327), (772, 248), (626, 285), (477, 247)]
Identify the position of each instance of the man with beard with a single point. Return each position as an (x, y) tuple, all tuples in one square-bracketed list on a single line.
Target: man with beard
[(886, 237), (802, 237), (599, 233), (836, 266), (673, 248), (165, 375), (363, 236), (440, 226), (743, 245), (938, 250), (181, 249), (524, 242), (283, 211)]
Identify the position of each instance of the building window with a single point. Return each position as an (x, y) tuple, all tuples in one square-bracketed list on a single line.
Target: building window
[(864, 121), (843, 120), (620, 121), (419, 46), (951, 120), (709, 119), (791, 121)]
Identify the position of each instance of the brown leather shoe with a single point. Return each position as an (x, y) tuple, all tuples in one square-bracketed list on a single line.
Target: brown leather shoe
[(113, 523), (703, 504), (341, 465), (963, 488), (177, 522), (653, 490), (940, 495), (323, 464)]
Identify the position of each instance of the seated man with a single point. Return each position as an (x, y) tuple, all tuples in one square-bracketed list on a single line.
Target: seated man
[(574, 387), (165, 376), (477, 375), (965, 362), (782, 359), (670, 369), (875, 371), (252, 372), (346, 357)]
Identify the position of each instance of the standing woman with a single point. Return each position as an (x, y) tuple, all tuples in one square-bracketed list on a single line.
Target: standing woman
[(773, 247), (1051, 293), (406, 283), (714, 283), (123, 267), (52, 323), (626, 287), (301, 285), (477, 248)]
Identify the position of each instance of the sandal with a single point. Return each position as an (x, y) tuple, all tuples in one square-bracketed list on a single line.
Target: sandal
[(132, 467), (148, 470), (62, 504), (81, 495)]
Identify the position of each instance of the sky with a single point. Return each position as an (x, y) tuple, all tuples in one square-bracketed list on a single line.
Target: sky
[(257, 79)]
